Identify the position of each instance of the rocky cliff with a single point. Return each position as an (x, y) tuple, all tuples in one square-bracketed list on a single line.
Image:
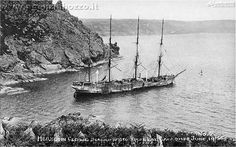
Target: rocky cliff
[(39, 37)]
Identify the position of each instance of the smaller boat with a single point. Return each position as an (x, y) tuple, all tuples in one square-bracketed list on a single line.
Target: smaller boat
[(201, 73)]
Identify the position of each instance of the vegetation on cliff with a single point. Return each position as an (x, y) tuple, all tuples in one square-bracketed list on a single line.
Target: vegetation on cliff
[(76, 130), (38, 36)]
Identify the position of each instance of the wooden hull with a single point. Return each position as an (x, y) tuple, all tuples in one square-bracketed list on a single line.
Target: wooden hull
[(113, 88)]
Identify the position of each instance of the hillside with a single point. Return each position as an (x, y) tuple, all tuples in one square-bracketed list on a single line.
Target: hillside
[(38, 37), (151, 27)]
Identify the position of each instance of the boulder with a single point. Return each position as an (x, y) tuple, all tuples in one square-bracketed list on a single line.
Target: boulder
[(56, 126), (9, 123), (29, 132), (60, 122)]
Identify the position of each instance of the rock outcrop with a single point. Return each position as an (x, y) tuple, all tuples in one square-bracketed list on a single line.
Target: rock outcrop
[(77, 130), (41, 37), (13, 122)]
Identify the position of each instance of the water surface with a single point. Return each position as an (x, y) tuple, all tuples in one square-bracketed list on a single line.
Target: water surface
[(195, 103)]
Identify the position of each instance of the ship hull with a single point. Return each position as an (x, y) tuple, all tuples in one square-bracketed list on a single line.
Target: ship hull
[(111, 89), (79, 94)]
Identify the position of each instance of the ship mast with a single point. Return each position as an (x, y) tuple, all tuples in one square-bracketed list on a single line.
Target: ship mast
[(109, 62), (160, 56), (89, 65), (137, 54)]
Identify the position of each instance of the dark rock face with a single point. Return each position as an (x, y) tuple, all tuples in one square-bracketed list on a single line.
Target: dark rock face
[(44, 39)]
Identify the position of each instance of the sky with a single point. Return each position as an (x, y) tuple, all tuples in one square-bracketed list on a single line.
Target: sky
[(187, 10)]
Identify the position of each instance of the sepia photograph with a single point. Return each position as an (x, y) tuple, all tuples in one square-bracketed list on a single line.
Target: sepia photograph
[(134, 73)]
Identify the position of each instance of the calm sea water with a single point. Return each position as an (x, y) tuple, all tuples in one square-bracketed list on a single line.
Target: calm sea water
[(195, 103)]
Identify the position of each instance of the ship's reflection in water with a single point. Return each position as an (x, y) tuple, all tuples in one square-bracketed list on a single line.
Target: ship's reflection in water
[(193, 103)]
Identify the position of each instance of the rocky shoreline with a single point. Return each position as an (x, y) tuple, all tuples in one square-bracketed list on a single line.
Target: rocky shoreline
[(45, 41), (5, 83), (77, 130), (33, 77)]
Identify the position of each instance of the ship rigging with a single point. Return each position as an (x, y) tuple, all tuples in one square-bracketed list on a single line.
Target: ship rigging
[(109, 86)]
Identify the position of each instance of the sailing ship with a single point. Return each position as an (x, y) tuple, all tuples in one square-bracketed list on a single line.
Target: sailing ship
[(104, 87)]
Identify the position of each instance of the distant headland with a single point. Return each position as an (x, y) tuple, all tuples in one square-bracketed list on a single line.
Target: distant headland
[(123, 27)]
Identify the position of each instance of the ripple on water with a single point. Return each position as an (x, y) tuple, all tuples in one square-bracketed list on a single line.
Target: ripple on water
[(196, 103)]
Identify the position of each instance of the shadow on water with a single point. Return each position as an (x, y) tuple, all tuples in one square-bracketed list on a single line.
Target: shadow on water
[(81, 99)]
